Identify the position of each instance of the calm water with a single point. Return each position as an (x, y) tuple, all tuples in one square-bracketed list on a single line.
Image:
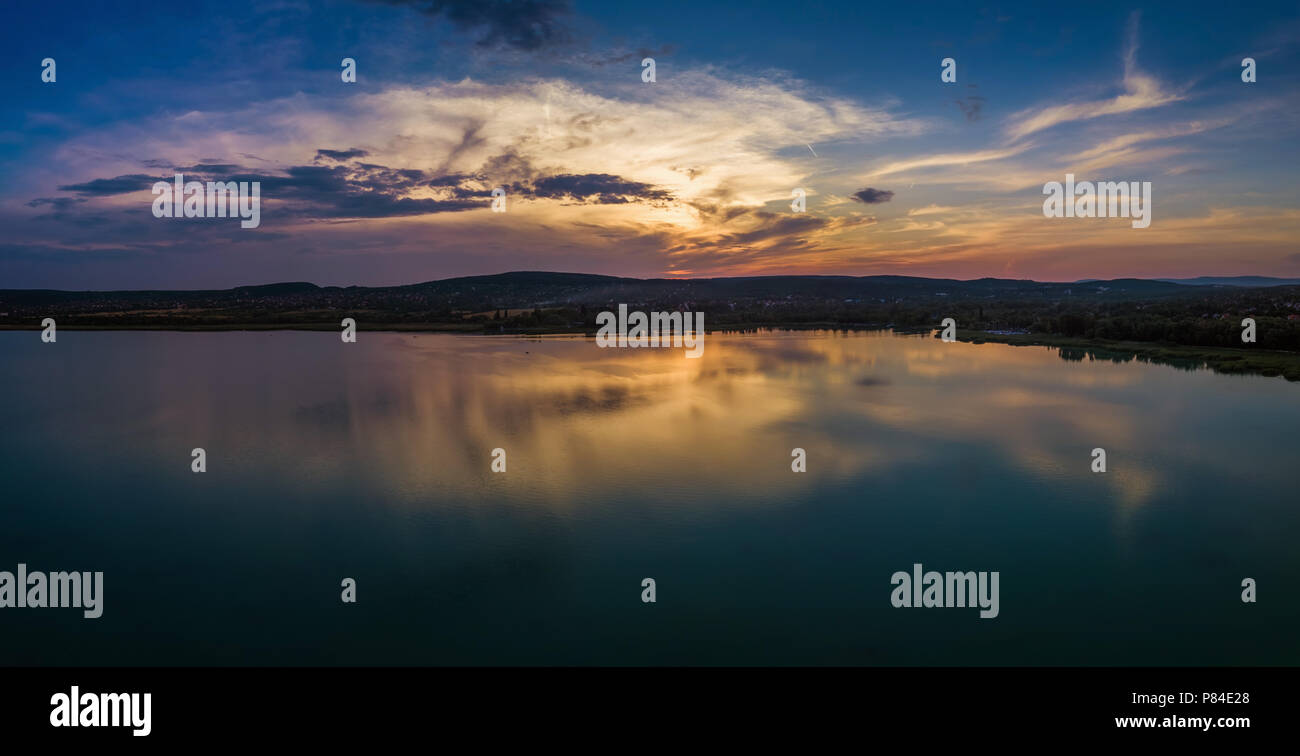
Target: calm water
[(372, 461)]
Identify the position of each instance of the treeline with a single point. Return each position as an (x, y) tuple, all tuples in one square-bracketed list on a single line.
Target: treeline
[(1122, 310), (1191, 323)]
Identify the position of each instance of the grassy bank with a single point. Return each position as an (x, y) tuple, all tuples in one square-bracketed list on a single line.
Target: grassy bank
[(1245, 361)]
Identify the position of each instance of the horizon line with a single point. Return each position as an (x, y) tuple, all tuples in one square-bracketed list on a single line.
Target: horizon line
[(1161, 279)]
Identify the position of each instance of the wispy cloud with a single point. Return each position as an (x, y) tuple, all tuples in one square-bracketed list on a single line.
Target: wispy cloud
[(1141, 91), (948, 159)]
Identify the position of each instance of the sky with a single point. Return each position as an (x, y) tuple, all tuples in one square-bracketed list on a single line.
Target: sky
[(388, 179)]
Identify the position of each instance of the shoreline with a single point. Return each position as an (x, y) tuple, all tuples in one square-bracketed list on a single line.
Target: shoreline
[(1228, 361), (1225, 360), (457, 328)]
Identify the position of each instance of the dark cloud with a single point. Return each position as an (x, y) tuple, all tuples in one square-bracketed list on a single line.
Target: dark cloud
[(768, 236), (509, 167), (873, 196), (469, 139), (766, 230), (521, 24), (103, 187), (348, 188), (212, 169), (56, 203), (720, 213), (451, 179), (779, 226), (341, 155), (594, 188), (384, 206), (61, 209), (357, 190)]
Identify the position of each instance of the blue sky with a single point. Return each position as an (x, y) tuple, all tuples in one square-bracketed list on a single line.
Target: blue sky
[(690, 175)]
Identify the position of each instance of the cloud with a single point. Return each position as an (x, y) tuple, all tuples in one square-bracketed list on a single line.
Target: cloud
[(947, 159), (602, 179), (1108, 151), (595, 187), (931, 210), (717, 140), (341, 155), (58, 203), (1141, 92), (873, 196), (212, 169), (528, 25), (61, 209), (353, 189), (758, 241), (106, 186)]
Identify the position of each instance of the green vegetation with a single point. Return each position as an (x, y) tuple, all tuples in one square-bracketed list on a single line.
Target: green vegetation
[(1219, 359)]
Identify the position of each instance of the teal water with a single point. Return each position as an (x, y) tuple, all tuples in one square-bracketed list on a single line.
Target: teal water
[(373, 461)]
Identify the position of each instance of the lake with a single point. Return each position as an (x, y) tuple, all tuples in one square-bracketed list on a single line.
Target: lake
[(373, 461)]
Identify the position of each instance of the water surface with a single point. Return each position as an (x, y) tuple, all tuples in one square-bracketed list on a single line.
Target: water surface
[(372, 461)]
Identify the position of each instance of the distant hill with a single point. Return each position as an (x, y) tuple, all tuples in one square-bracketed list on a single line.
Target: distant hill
[(552, 288), (277, 288), (530, 289), (1247, 281), (1148, 310), (1156, 313)]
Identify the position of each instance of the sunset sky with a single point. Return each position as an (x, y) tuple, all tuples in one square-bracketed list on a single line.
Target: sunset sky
[(388, 180)]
